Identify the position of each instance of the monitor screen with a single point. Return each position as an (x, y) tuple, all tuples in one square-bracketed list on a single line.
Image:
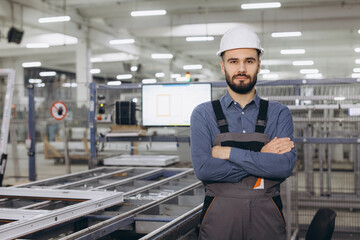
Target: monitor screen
[(172, 104)]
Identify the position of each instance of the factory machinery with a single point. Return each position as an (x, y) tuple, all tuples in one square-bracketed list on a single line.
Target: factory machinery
[(104, 203)]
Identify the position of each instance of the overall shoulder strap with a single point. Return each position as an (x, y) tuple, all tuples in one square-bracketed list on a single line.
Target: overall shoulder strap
[(261, 119), (220, 117)]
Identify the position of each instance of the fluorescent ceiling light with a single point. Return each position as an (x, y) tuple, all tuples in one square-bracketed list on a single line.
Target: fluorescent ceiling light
[(357, 61), (339, 98), (135, 100), (309, 71), (47, 74), (292, 51), (124, 76), (70, 84), (32, 80), (314, 76), (40, 85), (122, 41), (261, 5), (95, 71), (31, 64), (148, 80), (271, 76), (161, 56), (285, 34), (114, 83), (303, 63), (148, 13), (159, 74), (357, 49), (96, 59), (192, 67), (359, 31), (113, 57), (355, 75), (37, 45), (357, 70), (264, 71), (133, 68), (200, 39), (54, 39), (175, 75), (54, 19)]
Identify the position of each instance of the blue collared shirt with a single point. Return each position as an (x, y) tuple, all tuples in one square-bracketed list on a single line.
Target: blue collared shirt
[(241, 163)]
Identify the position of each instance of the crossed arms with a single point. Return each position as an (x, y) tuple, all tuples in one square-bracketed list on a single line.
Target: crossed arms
[(225, 164)]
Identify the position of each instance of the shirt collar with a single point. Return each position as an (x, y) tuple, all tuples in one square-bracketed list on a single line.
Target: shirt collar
[(228, 100)]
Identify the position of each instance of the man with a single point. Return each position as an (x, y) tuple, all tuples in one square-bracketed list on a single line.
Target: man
[(242, 149)]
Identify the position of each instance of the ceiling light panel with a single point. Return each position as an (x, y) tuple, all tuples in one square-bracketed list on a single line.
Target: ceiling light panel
[(271, 76), (314, 76), (114, 83), (31, 64), (261, 5), (95, 71), (122, 41), (357, 61), (47, 74), (37, 45), (192, 67), (357, 70), (148, 80), (54, 19), (285, 34), (303, 63), (309, 71), (148, 13), (355, 75), (200, 39), (159, 74), (292, 51), (124, 76), (161, 56), (264, 71)]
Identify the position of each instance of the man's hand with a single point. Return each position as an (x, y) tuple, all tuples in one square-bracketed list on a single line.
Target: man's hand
[(221, 152), (278, 145)]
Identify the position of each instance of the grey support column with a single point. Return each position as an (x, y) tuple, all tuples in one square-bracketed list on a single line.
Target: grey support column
[(83, 76)]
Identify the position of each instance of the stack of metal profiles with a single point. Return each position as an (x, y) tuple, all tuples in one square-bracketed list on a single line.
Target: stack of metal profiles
[(131, 203)]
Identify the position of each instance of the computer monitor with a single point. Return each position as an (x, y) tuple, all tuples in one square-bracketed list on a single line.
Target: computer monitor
[(172, 104)]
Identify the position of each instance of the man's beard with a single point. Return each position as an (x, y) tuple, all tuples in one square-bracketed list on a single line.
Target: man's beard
[(241, 88)]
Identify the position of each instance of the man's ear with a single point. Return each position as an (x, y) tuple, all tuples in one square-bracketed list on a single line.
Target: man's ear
[(222, 67), (259, 66)]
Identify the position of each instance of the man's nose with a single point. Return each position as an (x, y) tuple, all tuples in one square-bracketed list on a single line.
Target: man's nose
[(241, 68)]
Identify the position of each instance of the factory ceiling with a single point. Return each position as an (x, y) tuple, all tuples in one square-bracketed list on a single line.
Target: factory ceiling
[(327, 36)]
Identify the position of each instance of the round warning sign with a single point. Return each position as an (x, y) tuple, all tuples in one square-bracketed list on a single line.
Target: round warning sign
[(58, 110)]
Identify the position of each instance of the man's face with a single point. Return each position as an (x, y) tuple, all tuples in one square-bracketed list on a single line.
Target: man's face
[(240, 67)]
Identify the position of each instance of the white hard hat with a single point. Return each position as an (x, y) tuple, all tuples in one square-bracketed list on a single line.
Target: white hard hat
[(239, 37)]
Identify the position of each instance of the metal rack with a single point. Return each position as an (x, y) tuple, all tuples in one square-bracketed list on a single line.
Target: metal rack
[(147, 200)]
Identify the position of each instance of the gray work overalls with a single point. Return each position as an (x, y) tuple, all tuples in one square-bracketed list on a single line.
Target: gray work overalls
[(247, 210)]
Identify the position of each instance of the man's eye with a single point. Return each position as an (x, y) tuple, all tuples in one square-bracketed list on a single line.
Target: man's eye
[(233, 61), (250, 61)]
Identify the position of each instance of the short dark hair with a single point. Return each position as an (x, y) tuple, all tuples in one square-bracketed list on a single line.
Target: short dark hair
[(257, 50)]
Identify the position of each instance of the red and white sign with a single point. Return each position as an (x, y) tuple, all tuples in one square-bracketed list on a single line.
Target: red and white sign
[(58, 110)]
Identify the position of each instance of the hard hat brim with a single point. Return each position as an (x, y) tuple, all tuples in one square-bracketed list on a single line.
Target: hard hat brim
[(221, 51)]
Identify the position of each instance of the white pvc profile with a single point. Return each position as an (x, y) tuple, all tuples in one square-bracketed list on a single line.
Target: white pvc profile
[(92, 201)]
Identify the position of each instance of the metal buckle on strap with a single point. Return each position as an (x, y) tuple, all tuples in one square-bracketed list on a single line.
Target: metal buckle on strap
[(222, 122), (261, 122)]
